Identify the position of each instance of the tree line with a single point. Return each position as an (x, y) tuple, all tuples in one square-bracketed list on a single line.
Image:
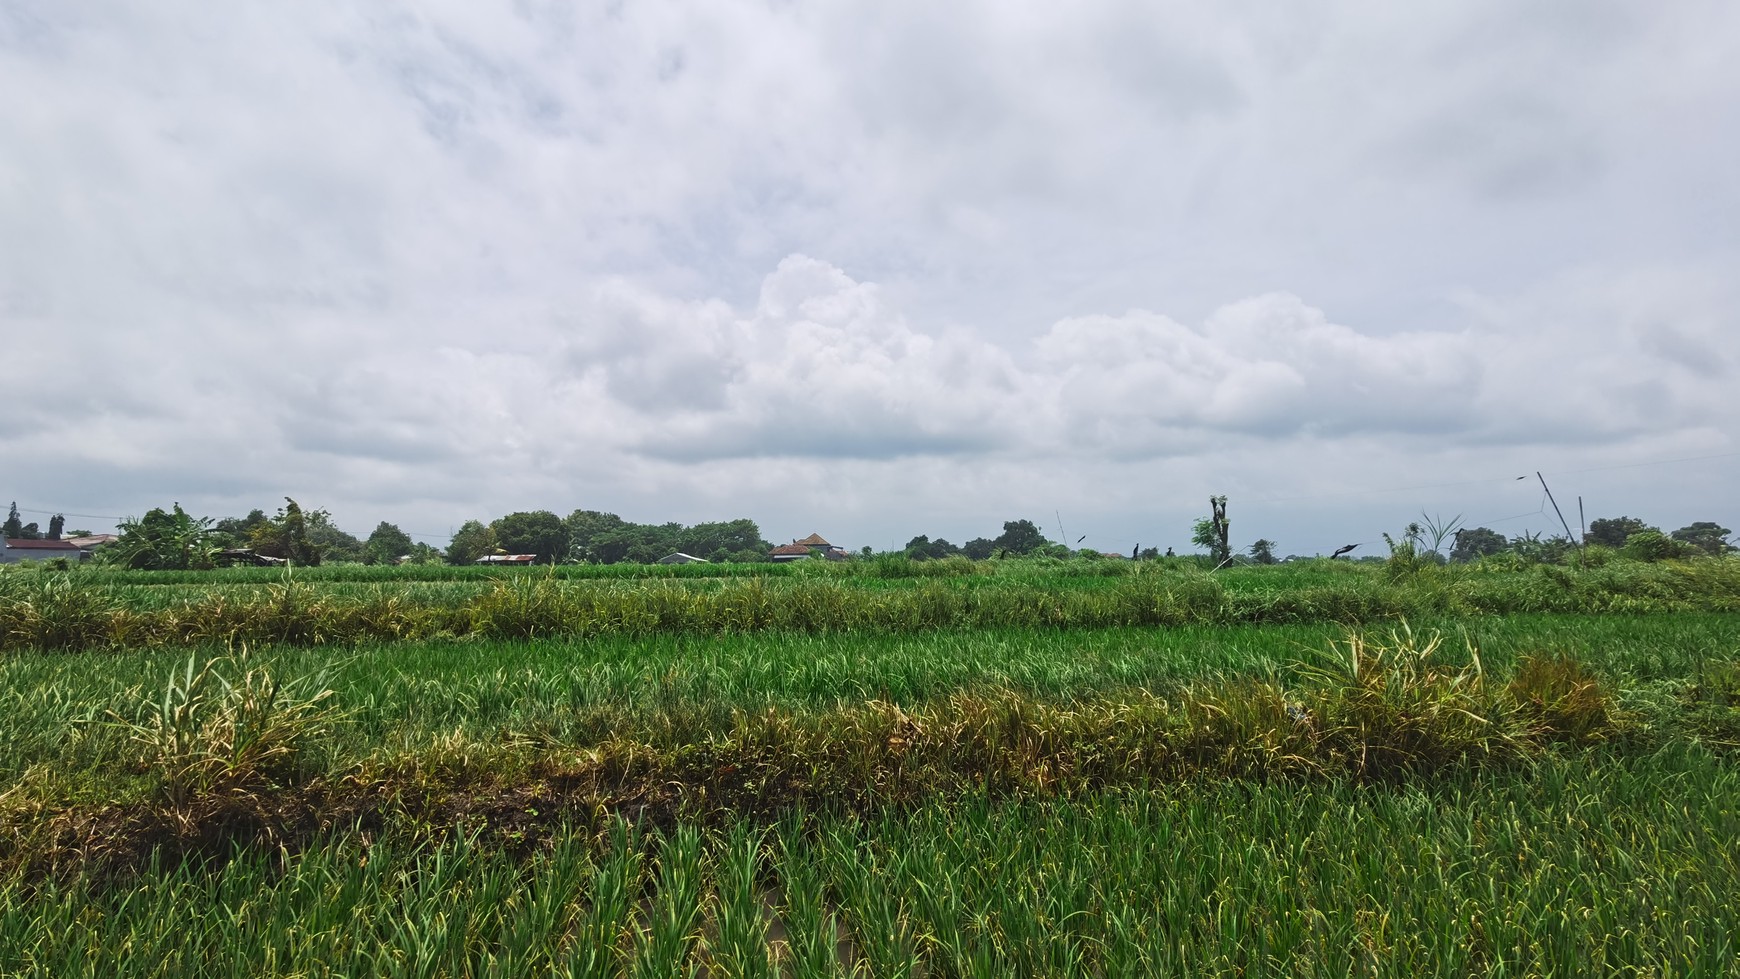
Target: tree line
[(174, 539)]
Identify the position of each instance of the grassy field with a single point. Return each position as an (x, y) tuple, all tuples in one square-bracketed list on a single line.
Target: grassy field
[(1003, 769)]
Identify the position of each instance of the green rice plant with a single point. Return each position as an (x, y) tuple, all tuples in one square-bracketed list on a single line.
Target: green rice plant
[(882, 928), (739, 946), (600, 943), (673, 929), (814, 943)]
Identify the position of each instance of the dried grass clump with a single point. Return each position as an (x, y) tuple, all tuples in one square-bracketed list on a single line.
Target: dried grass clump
[(235, 734), (1561, 701)]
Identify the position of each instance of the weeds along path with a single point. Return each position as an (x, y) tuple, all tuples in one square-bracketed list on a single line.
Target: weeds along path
[(99, 610), (230, 752)]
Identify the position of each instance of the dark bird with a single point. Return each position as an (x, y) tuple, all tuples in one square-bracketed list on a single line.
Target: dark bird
[(1342, 550)]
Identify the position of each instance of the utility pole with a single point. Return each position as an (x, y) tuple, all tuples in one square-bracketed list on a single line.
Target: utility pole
[(1556, 509)]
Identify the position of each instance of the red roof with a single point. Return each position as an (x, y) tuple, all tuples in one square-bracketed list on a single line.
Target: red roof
[(814, 540), (40, 545), (797, 549)]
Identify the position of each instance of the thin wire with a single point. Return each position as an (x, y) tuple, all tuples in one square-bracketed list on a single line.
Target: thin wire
[(1392, 489), (1355, 491), (1639, 465), (92, 516)]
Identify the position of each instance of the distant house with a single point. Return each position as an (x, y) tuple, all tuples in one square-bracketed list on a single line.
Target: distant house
[(39, 550), (507, 559), (681, 558), (797, 550)]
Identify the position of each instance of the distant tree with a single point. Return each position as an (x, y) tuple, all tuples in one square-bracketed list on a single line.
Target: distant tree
[(584, 527), (55, 524), (1263, 551), (537, 532), (286, 536), (1708, 537), (163, 541), (1150, 553), (1476, 542), (718, 541), (422, 553), (387, 544), (1204, 535), (979, 548), (241, 529), (1020, 537), (471, 541), (1211, 531), (334, 544), (14, 527), (1614, 531), (30, 531), (922, 548)]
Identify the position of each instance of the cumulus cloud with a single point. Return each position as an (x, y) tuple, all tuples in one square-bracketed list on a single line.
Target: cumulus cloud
[(457, 258)]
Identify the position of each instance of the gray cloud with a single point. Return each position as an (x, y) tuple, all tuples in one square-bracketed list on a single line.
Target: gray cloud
[(431, 263)]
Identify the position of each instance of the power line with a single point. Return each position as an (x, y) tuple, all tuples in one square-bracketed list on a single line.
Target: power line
[(1640, 465), (91, 516), (1358, 491)]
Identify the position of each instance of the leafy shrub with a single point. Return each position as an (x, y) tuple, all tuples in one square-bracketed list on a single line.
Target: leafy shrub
[(1653, 545)]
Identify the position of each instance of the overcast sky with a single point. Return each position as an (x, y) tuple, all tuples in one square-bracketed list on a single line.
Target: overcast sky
[(874, 270)]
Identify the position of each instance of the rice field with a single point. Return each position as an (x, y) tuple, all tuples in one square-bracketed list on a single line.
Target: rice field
[(878, 774)]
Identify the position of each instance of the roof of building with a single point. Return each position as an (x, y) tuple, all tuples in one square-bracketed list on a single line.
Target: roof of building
[(93, 540), (13, 543), (794, 549), (507, 559), (813, 540), (680, 558)]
